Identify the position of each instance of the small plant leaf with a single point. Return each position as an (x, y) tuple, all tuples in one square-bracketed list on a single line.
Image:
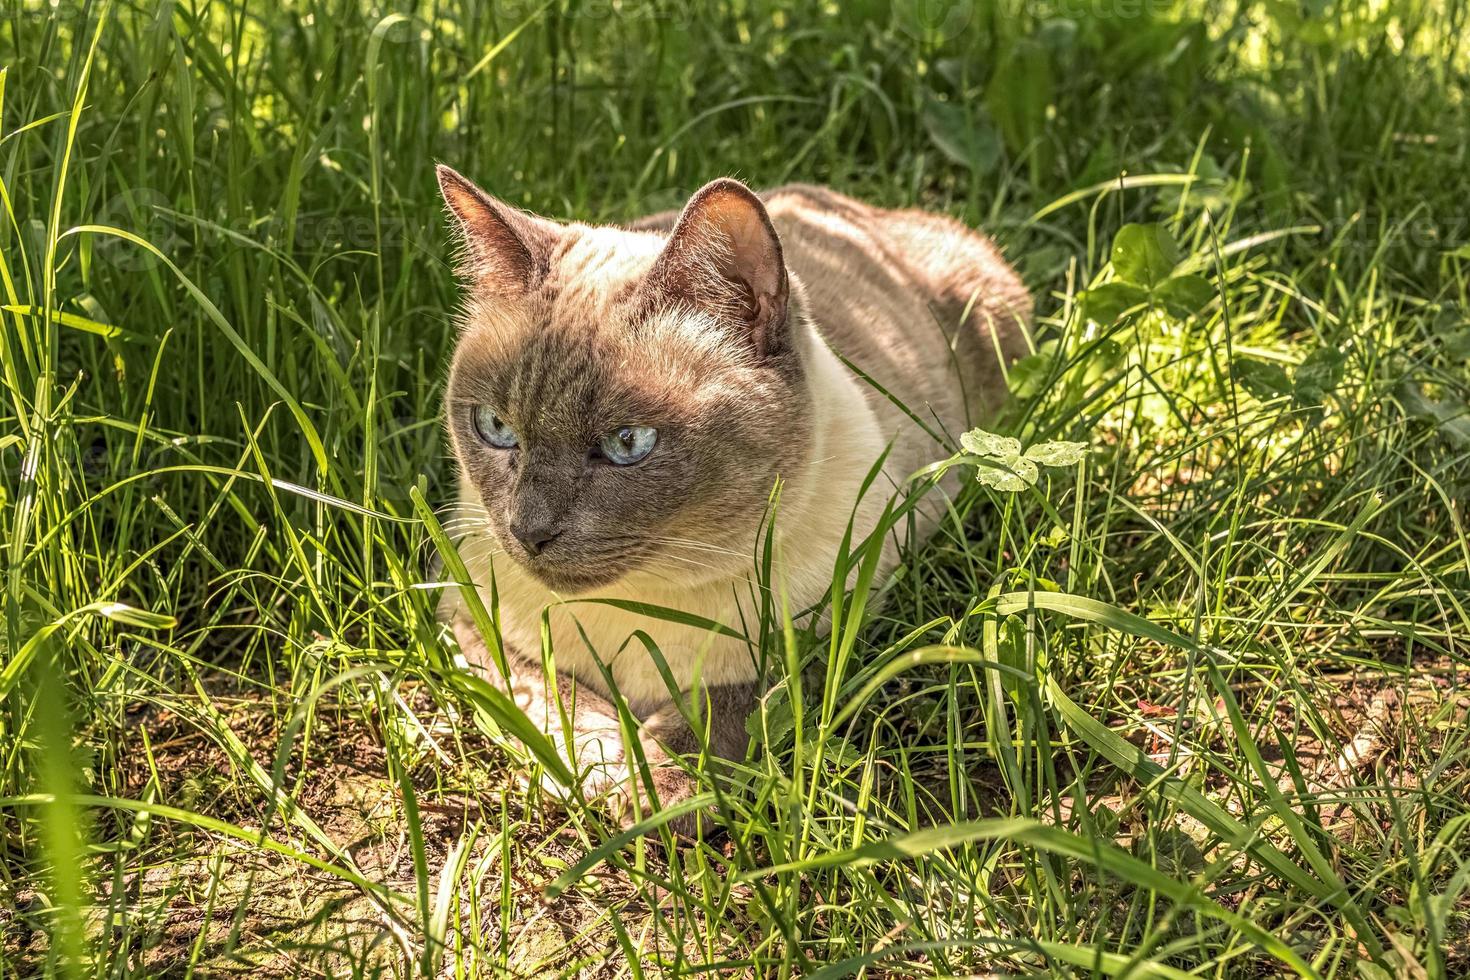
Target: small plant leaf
[(964, 135), (978, 442), (1144, 255), (773, 721), (1185, 295), (1106, 303), (1027, 375), (1262, 379), (1318, 376), (1456, 344), (1018, 474), (1058, 453)]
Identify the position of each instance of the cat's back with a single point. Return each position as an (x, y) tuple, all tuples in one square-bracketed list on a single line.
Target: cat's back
[(923, 304)]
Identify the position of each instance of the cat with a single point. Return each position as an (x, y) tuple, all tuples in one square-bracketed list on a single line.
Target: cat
[(622, 402)]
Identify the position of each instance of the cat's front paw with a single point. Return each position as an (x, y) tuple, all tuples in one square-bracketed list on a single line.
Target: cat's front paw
[(629, 801)]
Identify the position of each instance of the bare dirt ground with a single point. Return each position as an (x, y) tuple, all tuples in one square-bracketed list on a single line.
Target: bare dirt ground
[(184, 896), (178, 897)]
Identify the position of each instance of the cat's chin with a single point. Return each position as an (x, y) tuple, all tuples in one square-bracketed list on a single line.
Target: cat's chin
[(571, 580)]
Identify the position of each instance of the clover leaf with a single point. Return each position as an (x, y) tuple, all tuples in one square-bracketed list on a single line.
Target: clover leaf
[(1144, 255), (978, 442), (1318, 375), (1002, 465), (1058, 453), (1144, 258)]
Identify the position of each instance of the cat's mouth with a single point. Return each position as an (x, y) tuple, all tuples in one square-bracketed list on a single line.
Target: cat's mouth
[(565, 571), (572, 580)]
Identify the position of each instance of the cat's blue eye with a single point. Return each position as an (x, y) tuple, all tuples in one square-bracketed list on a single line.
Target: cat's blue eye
[(492, 428), (627, 444)]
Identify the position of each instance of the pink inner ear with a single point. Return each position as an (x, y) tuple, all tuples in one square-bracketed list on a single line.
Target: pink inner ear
[(724, 254), (500, 242), (755, 255)]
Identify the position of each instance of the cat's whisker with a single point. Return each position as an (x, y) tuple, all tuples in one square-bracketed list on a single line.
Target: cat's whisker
[(464, 528), (660, 576), (687, 560), (467, 519), (699, 546), (692, 543), (721, 567), (445, 511), (466, 523), (696, 564)]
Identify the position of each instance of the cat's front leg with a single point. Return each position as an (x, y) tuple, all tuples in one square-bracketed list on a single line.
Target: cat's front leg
[(718, 713), (586, 729), (582, 725), (712, 726)]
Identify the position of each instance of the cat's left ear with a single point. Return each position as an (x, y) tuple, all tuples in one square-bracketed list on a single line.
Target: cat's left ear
[(505, 249), (724, 256)]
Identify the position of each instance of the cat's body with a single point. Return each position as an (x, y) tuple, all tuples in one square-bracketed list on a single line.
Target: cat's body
[(749, 372)]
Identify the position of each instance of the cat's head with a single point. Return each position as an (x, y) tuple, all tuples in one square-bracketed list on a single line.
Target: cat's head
[(624, 400)]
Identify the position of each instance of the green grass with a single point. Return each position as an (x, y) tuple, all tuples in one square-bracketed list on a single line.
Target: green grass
[(1093, 729)]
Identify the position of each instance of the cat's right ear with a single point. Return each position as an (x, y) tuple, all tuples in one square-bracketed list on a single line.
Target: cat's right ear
[(724, 255), (505, 249)]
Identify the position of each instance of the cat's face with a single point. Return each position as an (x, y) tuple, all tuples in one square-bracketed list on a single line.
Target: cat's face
[(624, 400)]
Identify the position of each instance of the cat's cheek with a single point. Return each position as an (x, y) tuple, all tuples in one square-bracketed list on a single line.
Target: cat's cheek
[(492, 502)]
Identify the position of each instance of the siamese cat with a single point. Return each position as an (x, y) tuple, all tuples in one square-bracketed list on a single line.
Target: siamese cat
[(623, 400)]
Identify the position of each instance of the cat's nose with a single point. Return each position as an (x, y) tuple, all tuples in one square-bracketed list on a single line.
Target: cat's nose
[(534, 537)]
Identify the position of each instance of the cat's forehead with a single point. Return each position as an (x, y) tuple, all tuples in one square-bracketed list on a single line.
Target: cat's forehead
[(570, 373), (595, 270), (589, 288), (584, 347), (541, 355)]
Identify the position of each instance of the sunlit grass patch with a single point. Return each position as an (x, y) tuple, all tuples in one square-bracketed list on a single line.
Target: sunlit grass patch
[(1192, 702)]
